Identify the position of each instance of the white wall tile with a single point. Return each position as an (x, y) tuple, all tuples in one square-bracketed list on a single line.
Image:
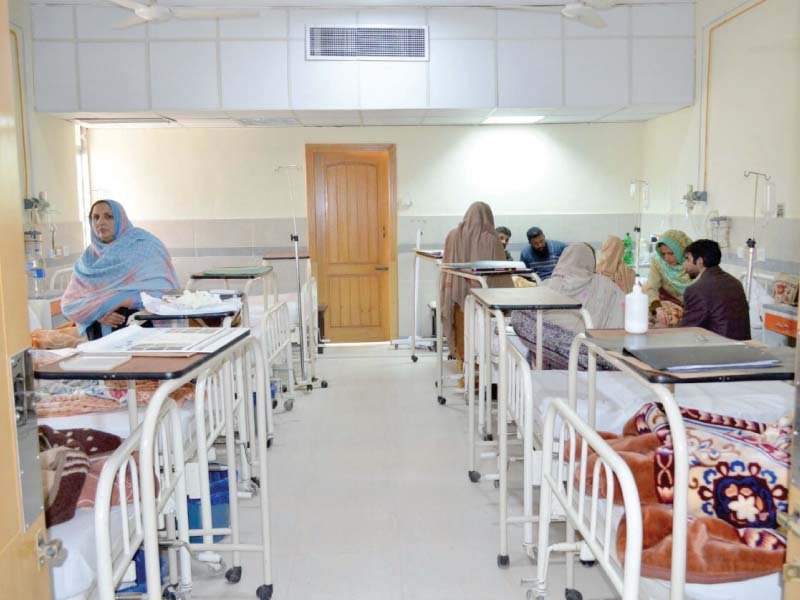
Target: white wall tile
[(55, 76), (596, 72), (663, 71), (53, 22), (526, 24), (462, 74), (529, 73), (176, 29), (184, 75), (270, 23), (254, 75), (113, 76), (300, 18), (392, 16), (320, 84), (97, 23), (393, 84), (665, 20), (616, 20), (461, 23)]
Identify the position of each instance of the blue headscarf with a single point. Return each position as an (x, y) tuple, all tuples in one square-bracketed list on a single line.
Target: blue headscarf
[(109, 274)]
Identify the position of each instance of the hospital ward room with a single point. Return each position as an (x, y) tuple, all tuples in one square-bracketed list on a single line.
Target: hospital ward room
[(400, 299)]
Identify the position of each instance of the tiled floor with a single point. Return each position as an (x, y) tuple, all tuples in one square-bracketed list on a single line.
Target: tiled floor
[(370, 497)]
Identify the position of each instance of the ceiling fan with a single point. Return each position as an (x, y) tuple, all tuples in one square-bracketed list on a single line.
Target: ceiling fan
[(149, 11), (584, 11)]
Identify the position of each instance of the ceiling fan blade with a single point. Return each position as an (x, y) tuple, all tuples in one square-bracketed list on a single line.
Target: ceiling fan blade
[(129, 22), (129, 4), (213, 13), (585, 15)]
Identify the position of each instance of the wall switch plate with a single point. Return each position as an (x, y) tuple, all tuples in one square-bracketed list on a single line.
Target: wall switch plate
[(740, 252), (761, 255), (781, 211)]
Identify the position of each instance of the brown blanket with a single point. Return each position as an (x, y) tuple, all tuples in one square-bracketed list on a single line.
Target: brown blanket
[(738, 476)]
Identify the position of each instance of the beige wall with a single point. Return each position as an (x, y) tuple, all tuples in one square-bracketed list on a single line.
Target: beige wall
[(51, 141), (754, 124), (228, 173)]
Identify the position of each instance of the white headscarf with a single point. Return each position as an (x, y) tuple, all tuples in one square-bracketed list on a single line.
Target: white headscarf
[(575, 277)]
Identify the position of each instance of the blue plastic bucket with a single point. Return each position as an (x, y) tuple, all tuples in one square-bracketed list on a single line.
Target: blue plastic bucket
[(220, 507)]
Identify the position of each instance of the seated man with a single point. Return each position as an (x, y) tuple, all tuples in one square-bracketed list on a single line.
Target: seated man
[(716, 300), (542, 254), (504, 233)]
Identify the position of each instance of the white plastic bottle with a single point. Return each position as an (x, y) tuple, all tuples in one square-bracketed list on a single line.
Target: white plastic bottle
[(636, 317)]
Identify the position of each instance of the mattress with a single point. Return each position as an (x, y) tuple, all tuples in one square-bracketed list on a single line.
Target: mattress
[(619, 395), (255, 306), (116, 422), (77, 574)]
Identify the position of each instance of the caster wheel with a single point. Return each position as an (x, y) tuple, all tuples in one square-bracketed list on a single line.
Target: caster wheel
[(502, 561), (234, 574), (288, 405), (274, 404), (572, 595), (487, 437), (169, 595), (436, 384), (414, 358), (309, 387), (496, 484), (323, 384), (441, 400), (588, 563), (284, 389), (264, 592), (474, 476), (313, 380), (269, 442), (256, 481)]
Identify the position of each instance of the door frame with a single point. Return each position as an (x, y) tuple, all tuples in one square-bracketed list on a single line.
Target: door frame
[(311, 211)]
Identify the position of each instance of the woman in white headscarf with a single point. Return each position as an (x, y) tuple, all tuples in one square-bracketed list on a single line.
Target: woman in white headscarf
[(575, 277), (473, 239)]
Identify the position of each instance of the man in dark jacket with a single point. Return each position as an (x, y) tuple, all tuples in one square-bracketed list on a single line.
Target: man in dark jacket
[(716, 300)]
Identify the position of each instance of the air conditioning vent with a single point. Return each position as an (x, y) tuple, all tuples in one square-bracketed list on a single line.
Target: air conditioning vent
[(366, 42)]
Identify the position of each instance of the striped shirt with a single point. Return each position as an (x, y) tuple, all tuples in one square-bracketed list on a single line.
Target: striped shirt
[(543, 267)]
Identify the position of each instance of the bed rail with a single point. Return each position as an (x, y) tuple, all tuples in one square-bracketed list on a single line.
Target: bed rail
[(569, 437)]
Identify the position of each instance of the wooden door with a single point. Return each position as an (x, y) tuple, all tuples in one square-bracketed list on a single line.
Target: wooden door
[(352, 239), (21, 574)]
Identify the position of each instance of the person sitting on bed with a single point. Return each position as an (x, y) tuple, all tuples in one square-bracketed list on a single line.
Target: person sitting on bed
[(716, 300), (121, 261), (667, 280), (574, 276), (474, 239), (612, 265), (541, 254)]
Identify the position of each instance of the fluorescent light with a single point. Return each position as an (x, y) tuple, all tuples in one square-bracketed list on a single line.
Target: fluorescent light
[(513, 120)]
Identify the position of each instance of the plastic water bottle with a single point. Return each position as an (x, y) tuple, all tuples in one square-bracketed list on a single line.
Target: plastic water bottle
[(636, 311), (38, 273), (627, 245)]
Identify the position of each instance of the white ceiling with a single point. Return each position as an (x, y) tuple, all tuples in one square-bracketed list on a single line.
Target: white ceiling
[(355, 118), (363, 3)]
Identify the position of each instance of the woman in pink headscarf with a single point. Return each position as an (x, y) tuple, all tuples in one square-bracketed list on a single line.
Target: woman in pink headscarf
[(474, 239)]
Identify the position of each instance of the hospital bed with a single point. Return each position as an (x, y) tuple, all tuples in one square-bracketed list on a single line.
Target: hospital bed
[(596, 519), (230, 401)]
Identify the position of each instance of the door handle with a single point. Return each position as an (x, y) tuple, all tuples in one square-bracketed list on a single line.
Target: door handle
[(381, 268)]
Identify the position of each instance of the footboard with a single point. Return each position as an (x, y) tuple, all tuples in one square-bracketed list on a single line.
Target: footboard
[(568, 482)]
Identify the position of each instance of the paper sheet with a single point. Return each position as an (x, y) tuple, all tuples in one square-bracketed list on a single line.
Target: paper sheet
[(172, 340)]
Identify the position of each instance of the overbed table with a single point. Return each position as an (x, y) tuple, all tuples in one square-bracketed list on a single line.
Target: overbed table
[(246, 274)]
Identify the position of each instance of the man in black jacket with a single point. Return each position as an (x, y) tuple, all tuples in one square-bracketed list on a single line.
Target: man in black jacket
[(716, 300)]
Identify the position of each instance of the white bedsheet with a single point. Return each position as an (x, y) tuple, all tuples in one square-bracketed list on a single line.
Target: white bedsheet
[(619, 395), (77, 574), (255, 306), (116, 422)]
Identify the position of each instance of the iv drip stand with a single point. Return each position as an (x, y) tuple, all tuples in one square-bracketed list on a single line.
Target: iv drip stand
[(295, 239), (751, 242)]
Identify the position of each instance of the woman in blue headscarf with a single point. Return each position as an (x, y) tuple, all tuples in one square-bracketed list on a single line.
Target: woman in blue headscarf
[(121, 261)]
